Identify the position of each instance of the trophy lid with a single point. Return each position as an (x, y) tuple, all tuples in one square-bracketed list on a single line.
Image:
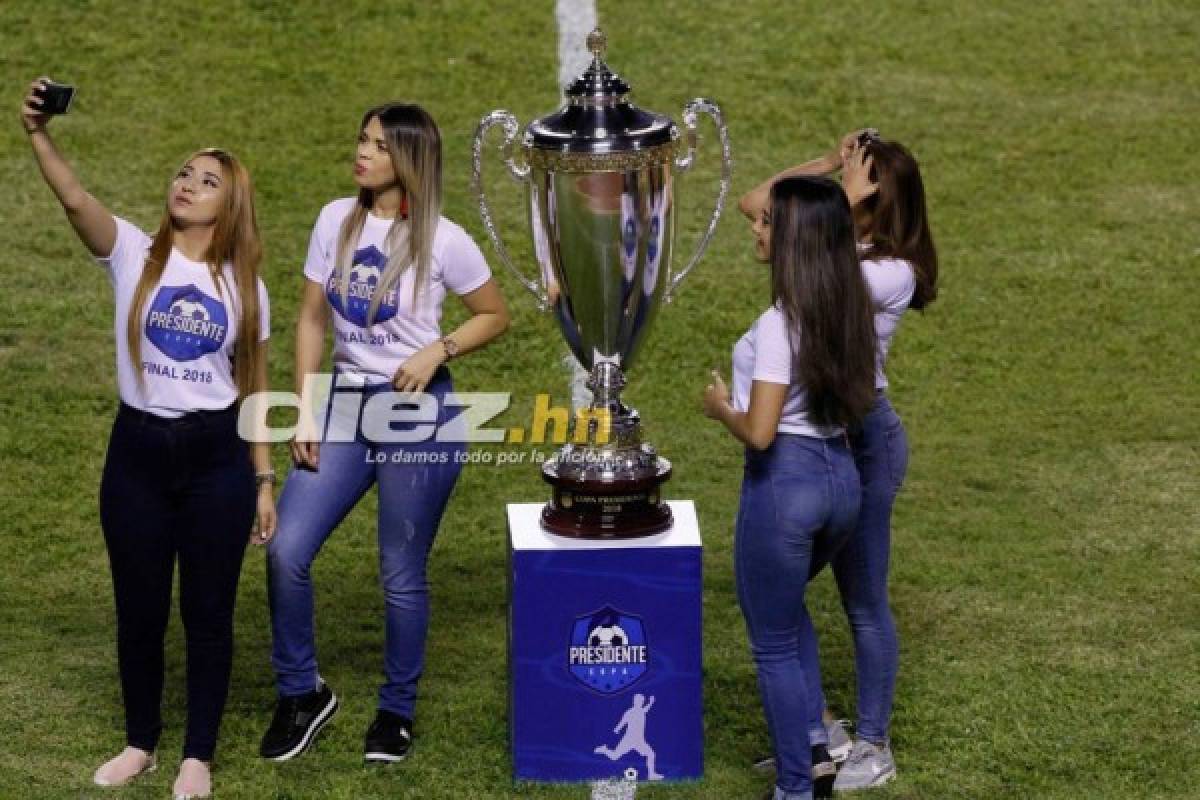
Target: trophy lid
[(598, 117)]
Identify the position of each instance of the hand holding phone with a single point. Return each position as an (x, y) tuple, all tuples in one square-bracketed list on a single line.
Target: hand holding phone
[(857, 173), (56, 97), (855, 140), (44, 99)]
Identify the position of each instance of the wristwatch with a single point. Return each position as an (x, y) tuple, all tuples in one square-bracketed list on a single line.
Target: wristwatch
[(264, 477), (450, 346)]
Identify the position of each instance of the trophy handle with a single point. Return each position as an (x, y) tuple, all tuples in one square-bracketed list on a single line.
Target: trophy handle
[(519, 173), (684, 162)]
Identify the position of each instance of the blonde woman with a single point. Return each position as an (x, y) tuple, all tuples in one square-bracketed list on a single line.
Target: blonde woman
[(191, 326), (380, 264)]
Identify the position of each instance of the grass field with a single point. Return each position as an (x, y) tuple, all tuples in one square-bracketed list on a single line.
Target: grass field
[(1045, 555)]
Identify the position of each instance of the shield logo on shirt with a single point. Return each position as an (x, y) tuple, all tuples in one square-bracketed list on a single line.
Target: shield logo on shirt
[(608, 650), (366, 271), (185, 323)]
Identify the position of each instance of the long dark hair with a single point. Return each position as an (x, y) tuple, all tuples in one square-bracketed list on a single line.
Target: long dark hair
[(817, 282), (894, 219)]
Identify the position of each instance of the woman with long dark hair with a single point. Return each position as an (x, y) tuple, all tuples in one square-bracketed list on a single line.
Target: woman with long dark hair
[(380, 264), (802, 375), (899, 262), (191, 326)]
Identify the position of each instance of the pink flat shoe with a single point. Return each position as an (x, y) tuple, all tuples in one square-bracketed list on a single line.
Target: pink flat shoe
[(103, 775), (199, 785)]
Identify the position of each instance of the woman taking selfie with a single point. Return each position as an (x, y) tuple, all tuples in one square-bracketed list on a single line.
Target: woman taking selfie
[(191, 326), (899, 261), (802, 375), (380, 264)]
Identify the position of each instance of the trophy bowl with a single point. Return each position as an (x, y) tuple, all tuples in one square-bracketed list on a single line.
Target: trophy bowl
[(600, 178)]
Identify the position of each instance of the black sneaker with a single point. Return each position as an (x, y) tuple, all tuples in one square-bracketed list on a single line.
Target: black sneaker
[(388, 739), (824, 772), (296, 723), (838, 747)]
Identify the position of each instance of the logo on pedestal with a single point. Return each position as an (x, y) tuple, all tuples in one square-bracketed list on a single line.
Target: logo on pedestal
[(608, 650)]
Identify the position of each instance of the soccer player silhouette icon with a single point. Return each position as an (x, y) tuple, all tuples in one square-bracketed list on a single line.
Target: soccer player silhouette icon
[(633, 722)]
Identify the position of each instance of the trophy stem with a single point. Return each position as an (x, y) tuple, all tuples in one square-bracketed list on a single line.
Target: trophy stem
[(608, 487), (606, 383)]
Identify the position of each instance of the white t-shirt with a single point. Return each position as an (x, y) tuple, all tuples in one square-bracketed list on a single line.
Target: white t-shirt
[(374, 353), (765, 354), (188, 332), (891, 283)]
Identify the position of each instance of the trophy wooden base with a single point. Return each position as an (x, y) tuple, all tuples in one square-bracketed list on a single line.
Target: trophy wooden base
[(596, 509)]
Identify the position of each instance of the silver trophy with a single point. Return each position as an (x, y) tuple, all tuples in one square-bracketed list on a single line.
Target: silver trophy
[(600, 174)]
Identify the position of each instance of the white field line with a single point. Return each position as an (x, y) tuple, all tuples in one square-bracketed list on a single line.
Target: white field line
[(576, 19)]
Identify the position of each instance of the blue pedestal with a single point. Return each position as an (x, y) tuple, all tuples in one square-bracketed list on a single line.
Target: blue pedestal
[(605, 652)]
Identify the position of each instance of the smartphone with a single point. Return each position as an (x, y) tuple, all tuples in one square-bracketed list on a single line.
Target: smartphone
[(867, 136), (56, 97)]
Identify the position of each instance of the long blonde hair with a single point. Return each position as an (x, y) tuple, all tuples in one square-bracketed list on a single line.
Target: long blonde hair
[(415, 147), (235, 241)]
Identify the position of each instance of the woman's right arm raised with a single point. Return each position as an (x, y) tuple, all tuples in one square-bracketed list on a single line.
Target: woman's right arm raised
[(91, 220), (754, 201)]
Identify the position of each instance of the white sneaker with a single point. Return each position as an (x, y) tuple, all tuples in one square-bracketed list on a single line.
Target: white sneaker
[(867, 767), (839, 741)]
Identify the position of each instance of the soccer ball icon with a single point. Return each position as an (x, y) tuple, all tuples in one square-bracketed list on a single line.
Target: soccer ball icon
[(190, 309), (608, 636), (365, 273)]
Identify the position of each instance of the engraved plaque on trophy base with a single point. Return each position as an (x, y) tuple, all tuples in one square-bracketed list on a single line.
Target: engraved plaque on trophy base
[(599, 509)]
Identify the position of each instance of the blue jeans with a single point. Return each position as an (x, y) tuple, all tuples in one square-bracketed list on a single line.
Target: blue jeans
[(799, 503), (880, 449), (415, 481)]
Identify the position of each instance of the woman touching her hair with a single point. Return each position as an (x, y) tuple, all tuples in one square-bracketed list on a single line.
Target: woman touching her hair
[(191, 328), (380, 266), (883, 184), (802, 375)]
